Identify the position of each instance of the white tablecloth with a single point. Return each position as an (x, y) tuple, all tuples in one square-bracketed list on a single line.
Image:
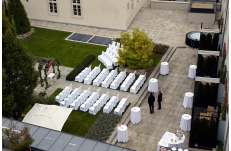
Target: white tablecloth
[(164, 68), (153, 85), (192, 71), (185, 123), (188, 100), (135, 115), (51, 76), (166, 141), (122, 133)]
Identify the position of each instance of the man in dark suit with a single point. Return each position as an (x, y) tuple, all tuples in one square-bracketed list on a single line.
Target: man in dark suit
[(159, 100), (151, 100)]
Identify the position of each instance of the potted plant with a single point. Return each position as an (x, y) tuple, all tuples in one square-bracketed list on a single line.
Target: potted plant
[(17, 140)]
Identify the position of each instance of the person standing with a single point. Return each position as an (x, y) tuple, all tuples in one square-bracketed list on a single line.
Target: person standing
[(159, 100), (151, 100)]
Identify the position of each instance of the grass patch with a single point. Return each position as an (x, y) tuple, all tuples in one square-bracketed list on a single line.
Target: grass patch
[(52, 43)]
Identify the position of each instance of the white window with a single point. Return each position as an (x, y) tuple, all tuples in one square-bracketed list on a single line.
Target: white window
[(76, 8), (132, 4), (53, 6)]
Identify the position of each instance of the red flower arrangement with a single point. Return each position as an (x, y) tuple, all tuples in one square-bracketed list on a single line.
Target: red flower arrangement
[(50, 63)]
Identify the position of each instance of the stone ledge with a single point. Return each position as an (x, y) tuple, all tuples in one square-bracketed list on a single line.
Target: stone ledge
[(26, 34)]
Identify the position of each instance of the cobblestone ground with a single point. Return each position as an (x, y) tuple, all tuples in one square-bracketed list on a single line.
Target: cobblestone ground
[(146, 135), (163, 26)]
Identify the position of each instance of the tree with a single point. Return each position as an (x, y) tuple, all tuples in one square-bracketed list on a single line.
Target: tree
[(200, 92), (202, 41), (17, 11), (18, 139), (207, 66), (215, 42), (207, 93), (200, 64), (137, 49), (213, 66), (21, 77), (208, 41)]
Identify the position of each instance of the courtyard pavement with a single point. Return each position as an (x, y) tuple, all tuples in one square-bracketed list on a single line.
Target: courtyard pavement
[(146, 135)]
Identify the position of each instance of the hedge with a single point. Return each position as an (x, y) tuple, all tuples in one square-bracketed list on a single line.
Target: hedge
[(86, 62)]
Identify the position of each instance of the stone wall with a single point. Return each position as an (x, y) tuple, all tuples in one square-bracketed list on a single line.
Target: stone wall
[(138, 71), (26, 34)]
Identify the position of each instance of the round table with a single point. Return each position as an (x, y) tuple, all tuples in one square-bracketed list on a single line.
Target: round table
[(164, 68), (188, 100), (122, 134), (192, 71), (135, 115), (153, 85), (185, 123), (178, 144)]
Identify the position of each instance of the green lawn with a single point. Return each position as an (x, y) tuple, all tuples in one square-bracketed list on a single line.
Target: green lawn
[(52, 43)]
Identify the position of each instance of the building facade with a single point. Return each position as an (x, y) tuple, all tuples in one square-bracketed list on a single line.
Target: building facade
[(112, 14)]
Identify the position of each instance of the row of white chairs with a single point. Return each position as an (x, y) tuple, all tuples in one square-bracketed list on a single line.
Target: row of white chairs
[(128, 81), (62, 95), (112, 54), (121, 76), (92, 75), (99, 104), (81, 99), (99, 79), (90, 101), (137, 85), (71, 97), (111, 104), (109, 78), (122, 106), (106, 60), (83, 74)]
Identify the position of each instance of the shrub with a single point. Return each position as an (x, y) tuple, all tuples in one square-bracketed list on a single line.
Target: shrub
[(103, 125), (159, 49), (87, 61)]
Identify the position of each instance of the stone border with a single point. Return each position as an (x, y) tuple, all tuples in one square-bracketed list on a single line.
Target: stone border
[(142, 94), (26, 34)]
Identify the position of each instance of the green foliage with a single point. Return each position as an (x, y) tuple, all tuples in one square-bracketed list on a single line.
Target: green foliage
[(19, 69), (213, 66), (215, 42), (137, 48), (200, 92), (203, 129), (223, 70), (86, 62), (202, 41), (159, 48), (103, 126), (207, 93), (17, 11), (207, 66), (220, 146), (18, 140), (200, 64), (208, 41)]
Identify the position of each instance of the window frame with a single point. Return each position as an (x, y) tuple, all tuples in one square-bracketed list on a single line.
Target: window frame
[(132, 4), (49, 10), (72, 7)]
